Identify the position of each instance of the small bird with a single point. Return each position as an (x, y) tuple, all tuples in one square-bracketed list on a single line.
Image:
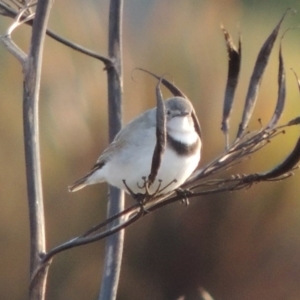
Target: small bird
[(129, 157)]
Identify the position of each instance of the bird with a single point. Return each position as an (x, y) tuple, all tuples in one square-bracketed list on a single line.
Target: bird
[(126, 162)]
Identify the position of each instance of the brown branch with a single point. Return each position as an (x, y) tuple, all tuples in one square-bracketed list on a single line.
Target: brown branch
[(32, 76), (7, 11)]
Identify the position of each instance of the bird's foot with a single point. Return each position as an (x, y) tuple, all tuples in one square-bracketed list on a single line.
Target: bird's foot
[(140, 198), (184, 194)]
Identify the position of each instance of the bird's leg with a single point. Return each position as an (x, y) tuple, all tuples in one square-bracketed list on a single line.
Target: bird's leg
[(158, 188), (184, 194), (129, 190), (140, 198), (146, 186), (143, 185)]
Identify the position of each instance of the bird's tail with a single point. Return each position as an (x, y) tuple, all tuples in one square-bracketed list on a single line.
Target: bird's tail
[(91, 178), (79, 184)]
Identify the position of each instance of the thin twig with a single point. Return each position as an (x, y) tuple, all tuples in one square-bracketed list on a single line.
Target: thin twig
[(7, 11)]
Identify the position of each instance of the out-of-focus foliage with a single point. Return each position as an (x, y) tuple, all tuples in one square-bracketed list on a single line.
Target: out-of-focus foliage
[(243, 245)]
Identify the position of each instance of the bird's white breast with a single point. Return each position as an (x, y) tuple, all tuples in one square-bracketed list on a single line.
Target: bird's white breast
[(134, 163), (129, 156)]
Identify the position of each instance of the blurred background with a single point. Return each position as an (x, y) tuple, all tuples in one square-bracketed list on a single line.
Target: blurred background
[(241, 245)]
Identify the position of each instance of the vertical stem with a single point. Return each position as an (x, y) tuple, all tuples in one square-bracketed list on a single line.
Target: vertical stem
[(114, 243), (32, 76)]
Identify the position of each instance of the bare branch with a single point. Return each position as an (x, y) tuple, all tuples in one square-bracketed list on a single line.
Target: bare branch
[(133, 214), (129, 216), (31, 64), (107, 62), (32, 75), (249, 144), (7, 40), (170, 86), (115, 242), (13, 48), (7, 11)]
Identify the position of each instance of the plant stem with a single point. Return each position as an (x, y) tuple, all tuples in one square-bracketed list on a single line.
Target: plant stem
[(114, 243)]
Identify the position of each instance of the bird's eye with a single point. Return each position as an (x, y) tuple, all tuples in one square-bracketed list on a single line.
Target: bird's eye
[(168, 112)]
